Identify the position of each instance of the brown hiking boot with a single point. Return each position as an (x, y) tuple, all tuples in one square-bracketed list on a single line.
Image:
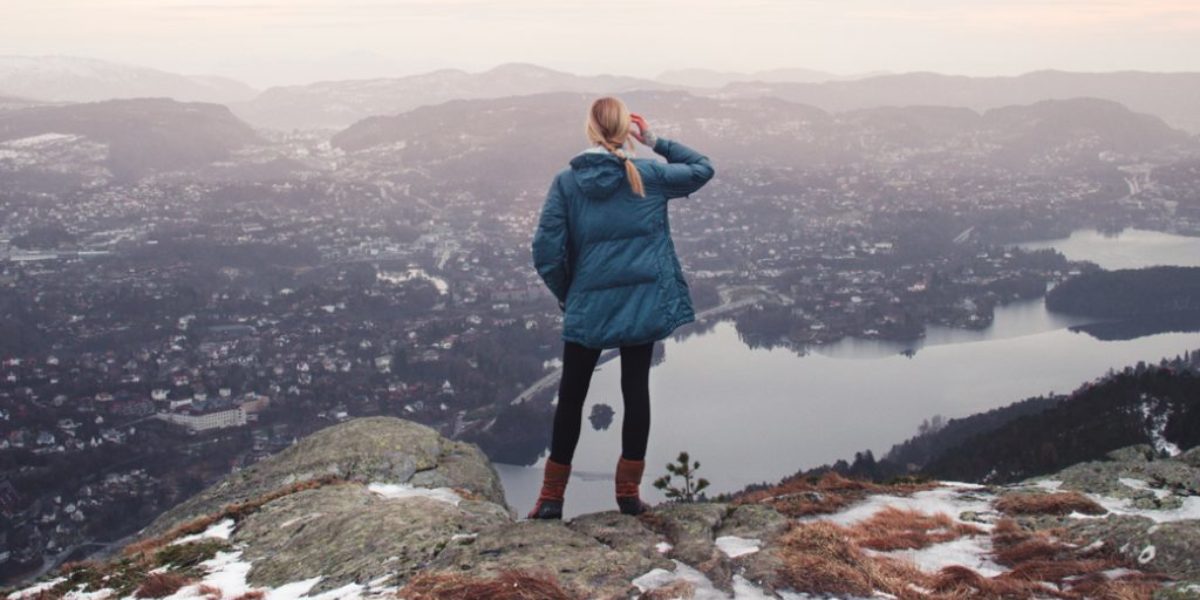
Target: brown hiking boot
[(628, 478), (554, 484)]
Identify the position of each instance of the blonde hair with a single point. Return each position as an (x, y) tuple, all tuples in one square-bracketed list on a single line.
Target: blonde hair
[(608, 124)]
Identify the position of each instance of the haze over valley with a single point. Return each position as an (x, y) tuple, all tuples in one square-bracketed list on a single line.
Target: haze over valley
[(197, 272)]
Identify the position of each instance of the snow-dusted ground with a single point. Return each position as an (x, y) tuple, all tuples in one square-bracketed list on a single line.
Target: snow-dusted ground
[(33, 590), (228, 570), (400, 491), (221, 530), (1156, 419), (1189, 510), (972, 552), (705, 590), (952, 500), (734, 546)]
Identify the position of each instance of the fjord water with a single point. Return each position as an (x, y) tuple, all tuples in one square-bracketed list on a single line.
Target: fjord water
[(1129, 249), (756, 415)]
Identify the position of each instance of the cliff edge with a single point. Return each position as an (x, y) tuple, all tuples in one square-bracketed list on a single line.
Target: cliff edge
[(383, 507)]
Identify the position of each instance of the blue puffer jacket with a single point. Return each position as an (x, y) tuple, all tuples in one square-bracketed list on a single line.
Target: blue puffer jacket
[(607, 254)]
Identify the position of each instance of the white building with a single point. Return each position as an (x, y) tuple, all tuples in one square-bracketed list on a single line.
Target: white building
[(197, 422)]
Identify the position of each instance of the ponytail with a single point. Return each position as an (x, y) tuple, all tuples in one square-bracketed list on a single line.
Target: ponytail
[(609, 119), (635, 177)]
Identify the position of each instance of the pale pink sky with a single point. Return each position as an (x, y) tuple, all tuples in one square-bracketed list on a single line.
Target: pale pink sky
[(277, 41)]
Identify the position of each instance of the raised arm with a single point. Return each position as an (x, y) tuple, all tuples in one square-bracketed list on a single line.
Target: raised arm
[(686, 170), (549, 244)]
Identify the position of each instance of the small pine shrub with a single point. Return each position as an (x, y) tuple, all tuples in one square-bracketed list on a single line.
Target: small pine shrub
[(691, 485)]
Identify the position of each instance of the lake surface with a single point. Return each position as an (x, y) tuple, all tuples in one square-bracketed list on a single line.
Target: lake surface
[(1130, 249), (756, 415)]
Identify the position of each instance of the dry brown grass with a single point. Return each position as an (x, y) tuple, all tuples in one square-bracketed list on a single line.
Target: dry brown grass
[(1056, 571), (823, 558), (1031, 550), (677, 589), (829, 493), (1008, 532), (1136, 586), (77, 565), (161, 585), (1057, 503), (252, 595), (210, 592), (897, 529), (508, 585), (960, 582), (1039, 556)]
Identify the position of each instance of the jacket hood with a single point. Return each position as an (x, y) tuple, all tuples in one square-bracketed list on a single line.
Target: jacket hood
[(599, 173)]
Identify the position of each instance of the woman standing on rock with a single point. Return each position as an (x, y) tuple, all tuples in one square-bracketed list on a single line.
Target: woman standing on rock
[(603, 246)]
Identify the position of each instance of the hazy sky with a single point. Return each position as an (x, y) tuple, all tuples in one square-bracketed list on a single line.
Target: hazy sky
[(274, 41)]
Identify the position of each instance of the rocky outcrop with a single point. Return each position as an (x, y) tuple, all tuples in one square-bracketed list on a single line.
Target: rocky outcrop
[(348, 533), (1153, 505), (374, 449), (383, 507)]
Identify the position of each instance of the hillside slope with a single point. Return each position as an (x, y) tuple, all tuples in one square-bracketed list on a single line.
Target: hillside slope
[(1171, 96), (130, 137)]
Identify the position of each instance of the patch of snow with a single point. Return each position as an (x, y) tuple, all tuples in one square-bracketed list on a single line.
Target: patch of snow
[(350, 591), (34, 590), (1146, 555), (1048, 484), (79, 594), (293, 590), (654, 578), (220, 530), (743, 589), (947, 500), (378, 581), (1119, 573), (401, 491), (972, 552), (1190, 509), (1156, 424), (734, 546), (226, 572), (1138, 484), (963, 485), (663, 547)]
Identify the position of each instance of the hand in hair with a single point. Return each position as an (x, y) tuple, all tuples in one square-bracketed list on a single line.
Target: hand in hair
[(643, 133)]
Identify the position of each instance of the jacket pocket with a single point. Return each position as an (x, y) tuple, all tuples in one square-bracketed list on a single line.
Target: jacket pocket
[(573, 317)]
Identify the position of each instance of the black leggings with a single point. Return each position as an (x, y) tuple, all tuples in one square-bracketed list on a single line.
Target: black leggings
[(578, 364)]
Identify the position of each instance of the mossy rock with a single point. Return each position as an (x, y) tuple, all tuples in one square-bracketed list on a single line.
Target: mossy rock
[(373, 449), (349, 534), (576, 559)]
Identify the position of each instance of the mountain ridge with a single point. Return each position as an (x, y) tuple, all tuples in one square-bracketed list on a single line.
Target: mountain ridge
[(79, 79)]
